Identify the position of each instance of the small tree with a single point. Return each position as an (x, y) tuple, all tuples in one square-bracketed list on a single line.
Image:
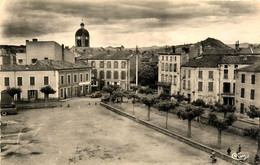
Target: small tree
[(149, 102), (110, 89), (166, 106), (179, 97), (254, 112), (146, 91), (134, 88), (190, 114), (13, 91), (47, 90), (134, 97), (199, 102), (164, 96), (225, 109), (120, 93), (221, 124)]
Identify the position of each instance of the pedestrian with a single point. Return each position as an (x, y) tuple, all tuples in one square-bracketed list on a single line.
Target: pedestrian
[(213, 154), (239, 148), (229, 151), (256, 159), (68, 105)]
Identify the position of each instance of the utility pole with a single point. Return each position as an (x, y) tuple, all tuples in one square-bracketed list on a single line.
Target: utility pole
[(136, 64)]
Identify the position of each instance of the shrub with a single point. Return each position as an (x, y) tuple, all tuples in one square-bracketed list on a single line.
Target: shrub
[(252, 132), (198, 102)]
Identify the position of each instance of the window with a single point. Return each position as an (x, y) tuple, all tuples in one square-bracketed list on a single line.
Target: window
[(210, 86), (68, 79), (253, 79), (87, 77), (45, 58), (170, 58), (75, 78), (235, 74), (81, 77), (101, 64), (184, 84), (200, 86), (109, 64), (32, 80), (123, 64), (166, 78), (211, 74), (115, 64), (226, 87), (188, 87), (234, 87), (34, 60), (162, 77), (46, 80), (61, 80), (162, 66), (226, 66), (175, 58), (123, 75), (242, 108), (225, 74), (166, 67), (7, 81), (243, 76), (162, 58), (170, 68), (200, 74), (101, 74), (166, 58), (252, 94), (32, 94), (188, 73), (115, 74), (174, 80), (236, 66), (170, 79), (108, 74), (19, 81), (242, 93), (175, 67), (20, 61), (94, 72), (93, 64)]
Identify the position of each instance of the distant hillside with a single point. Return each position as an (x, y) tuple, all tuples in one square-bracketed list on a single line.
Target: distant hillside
[(243, 45)]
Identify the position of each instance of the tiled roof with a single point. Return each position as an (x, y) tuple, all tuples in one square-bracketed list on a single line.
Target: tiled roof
[(252, 68), (43, 65), (112, 55), (214, 60)]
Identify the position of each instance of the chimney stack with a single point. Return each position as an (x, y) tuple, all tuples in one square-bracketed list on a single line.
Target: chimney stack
[(34, 40), (173, 49)]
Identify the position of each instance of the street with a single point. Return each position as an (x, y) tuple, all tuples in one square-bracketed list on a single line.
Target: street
[(88, 134)]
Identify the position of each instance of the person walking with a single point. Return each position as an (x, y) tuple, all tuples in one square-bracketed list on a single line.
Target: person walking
[(229, 151), (239, 148)]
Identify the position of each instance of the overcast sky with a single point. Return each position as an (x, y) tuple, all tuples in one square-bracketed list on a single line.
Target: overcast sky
[(129, 22)]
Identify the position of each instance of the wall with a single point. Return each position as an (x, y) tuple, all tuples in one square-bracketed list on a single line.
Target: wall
[(247, 86), (21, 56), (39, 81)]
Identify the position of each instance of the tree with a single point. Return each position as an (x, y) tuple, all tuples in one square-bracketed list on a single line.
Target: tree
[(146, 91), (180, 98), (189, 114), (148, 74), (13, 91), (166, 106), (110, 89), (120, 93), (254, 112), (221, 124), (149, 102), (47, 90), (134, 88), (134, 97), (225, 109), (164, 96)]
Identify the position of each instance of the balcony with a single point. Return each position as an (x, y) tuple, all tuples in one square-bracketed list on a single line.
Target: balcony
[(164, 84)]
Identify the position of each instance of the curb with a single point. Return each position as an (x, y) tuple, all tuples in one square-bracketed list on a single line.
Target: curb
[(175, 136)]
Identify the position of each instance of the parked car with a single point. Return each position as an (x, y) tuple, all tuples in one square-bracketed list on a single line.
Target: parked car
[(96, 95), (8, 109)]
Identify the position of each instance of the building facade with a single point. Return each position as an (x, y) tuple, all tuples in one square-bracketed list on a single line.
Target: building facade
[(247, 88)]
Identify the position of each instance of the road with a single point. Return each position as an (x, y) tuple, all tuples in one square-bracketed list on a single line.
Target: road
[(89, 134)]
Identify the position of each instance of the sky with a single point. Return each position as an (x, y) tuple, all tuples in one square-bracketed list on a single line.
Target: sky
[(129, 22)]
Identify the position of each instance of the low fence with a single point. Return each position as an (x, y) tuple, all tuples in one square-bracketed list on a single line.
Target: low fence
[(174, 135)]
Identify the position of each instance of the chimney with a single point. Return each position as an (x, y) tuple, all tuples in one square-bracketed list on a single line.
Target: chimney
[(62, 51), (166, 49), (237, 45), (136, 49), (34, 40), (173, 49), (66, 47)]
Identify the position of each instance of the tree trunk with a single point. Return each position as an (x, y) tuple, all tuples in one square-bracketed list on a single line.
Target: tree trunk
[(258, 149), (110, 99), (189, 128), (148, 114), (219, 138), (133, 109), (166, 126)]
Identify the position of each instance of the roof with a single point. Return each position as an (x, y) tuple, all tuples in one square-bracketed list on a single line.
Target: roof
[(82, 32), (252, 68), (170, 53), (215, 60), (111, 55), (43, 65)]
